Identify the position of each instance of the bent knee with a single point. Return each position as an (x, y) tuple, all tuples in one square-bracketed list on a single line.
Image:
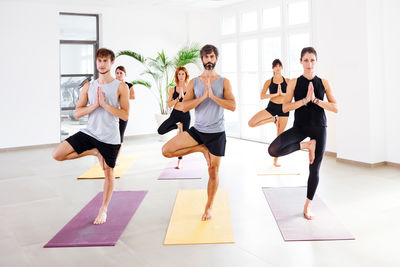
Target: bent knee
[(166, 151), (251, 124), (57, 156), (272, 151)]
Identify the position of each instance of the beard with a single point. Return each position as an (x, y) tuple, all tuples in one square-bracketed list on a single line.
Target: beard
[(104, 72), (209, 65)]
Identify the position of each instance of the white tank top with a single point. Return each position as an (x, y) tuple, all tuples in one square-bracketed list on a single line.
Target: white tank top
[(102, 125)]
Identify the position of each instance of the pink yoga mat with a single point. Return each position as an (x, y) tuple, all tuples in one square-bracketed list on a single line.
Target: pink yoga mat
[(194, 166), (287, 205), (81, 232)]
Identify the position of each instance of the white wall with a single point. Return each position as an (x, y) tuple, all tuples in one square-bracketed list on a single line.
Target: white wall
[(391, 54), (30, 69)]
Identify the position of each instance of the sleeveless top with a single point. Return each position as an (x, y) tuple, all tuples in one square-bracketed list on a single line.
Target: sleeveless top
[(102, 125), (273, 87), (176, 95), (209, 116), (312, 114)]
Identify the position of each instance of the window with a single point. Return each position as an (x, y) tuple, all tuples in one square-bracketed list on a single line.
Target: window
[(271, 17), (228, 59), (248, 21), (276, 29), (78, 44)]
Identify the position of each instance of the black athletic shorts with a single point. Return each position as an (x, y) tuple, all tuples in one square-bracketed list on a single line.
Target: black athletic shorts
[(276, 109), (215, 142), (122, 128), (82, 142)]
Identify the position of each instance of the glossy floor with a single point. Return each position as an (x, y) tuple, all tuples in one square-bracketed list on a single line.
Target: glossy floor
[(38, 196)]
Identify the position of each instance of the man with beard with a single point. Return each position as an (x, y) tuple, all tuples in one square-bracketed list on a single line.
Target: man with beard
[(209, 94), (104, 100)]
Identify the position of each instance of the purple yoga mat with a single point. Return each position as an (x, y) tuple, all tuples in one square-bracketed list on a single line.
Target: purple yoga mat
[(287, 205), (81, 232), (194, 165)]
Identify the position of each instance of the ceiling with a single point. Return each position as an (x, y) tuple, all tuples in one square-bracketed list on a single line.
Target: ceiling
[(190, 4)]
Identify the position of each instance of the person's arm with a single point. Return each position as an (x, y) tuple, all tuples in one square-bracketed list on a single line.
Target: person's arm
[(264, 94), (228, 102), (189, 102), (131, 93), (123, 111), (81, 106), (331, 103), (171, 102)]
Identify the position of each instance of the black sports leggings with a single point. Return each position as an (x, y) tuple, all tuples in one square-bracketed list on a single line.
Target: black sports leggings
[(170, 123), (289, 141)]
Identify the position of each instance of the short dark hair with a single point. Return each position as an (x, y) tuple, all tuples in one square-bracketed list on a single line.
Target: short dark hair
[(276, 62), (104, 52), (121, 68), (310, 50), (208, 49)]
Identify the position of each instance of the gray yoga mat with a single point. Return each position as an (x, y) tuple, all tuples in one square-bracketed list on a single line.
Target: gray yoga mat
[(287, 205)]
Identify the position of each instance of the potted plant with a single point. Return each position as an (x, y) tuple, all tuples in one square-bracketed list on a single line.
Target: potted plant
[(158, 74)]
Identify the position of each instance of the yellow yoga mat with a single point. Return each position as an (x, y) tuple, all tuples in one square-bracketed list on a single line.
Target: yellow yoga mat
[(272, 170), (186, 226), (96, 171)]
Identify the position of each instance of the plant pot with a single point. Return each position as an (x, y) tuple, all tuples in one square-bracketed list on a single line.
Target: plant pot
[(160, 118)]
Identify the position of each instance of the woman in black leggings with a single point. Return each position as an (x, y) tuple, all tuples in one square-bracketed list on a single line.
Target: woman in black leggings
[(178, 118), (309, 120)]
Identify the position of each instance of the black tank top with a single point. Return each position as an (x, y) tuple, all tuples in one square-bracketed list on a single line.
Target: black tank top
[(273, 87), (129, 85), (312, 114), (176, 95)]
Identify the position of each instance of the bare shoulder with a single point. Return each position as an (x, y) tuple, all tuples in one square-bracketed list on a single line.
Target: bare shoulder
[(85, 87), (292, 82), (287, 80), (226, 82), (326, 84)]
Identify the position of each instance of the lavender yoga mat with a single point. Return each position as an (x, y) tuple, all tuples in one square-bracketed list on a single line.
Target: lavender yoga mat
[(81, 232), (194, 166), (287, 205)]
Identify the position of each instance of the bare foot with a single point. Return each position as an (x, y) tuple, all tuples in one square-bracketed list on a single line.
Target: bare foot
[(276, 162), (207, 156), (101, 217), (207, 215), (179, 166), (311, 150), (308, 214), (180, 127), (101, 159)]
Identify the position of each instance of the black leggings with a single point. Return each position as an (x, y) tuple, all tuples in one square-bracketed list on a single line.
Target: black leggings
[(289, 141), (170, 123)]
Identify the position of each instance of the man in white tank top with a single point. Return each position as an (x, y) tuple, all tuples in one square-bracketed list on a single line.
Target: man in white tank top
[(209, 94), (105, 100)]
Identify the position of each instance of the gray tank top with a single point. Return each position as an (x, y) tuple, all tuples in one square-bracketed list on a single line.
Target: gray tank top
[(209, 116), (102, 125)]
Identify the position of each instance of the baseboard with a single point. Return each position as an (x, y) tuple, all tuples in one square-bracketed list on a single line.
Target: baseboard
[(392, 164), (53, 145), (330, 154), (9, 149), (362, 164)]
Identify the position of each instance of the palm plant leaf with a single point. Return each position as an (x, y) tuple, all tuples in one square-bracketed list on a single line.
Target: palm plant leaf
[(132, 54), (142, 82), (189, 54)]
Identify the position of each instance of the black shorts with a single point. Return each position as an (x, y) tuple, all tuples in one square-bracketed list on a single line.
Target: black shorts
[(82, 142), (215, 142), (122, 128), (276, 109)]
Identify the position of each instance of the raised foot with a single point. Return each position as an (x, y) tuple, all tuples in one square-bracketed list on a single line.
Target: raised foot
[(311, 150)]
